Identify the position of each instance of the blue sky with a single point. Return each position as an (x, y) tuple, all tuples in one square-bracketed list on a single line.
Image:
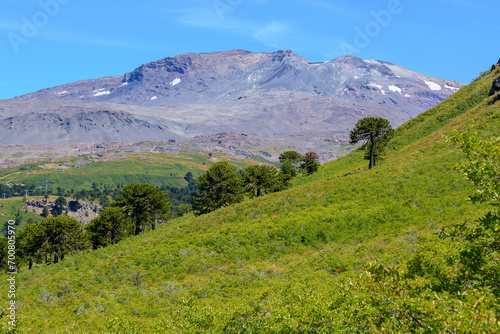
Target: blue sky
[(44, 43)]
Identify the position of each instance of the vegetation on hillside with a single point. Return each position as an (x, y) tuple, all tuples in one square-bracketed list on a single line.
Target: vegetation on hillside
[(346, 249), (260, 180), (138, 208), (439, 290), (50, 241), (220, 186), (112, 226), (145, 205)]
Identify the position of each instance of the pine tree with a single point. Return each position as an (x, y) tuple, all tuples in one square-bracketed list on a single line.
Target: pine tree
[(45, 212), (220, 186), (144, 204), (259, 180), (310, 162), (375, 132)]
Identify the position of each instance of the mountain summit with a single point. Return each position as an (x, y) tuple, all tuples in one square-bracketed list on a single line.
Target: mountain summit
[(277, 96), (225, 76)]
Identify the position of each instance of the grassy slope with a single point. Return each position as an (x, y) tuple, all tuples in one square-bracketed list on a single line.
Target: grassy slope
[(272, 263), (153, 168), (11, 206)]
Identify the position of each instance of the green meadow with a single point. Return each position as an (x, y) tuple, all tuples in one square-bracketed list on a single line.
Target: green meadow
[(12, 207), (153, 168)]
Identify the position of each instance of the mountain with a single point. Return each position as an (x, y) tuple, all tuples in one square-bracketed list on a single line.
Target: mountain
[(235, 75), (274, 97), (295, 261)]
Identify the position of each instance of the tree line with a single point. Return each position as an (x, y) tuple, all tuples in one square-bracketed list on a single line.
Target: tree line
[(223, 184), (141, 207), (138, 208)]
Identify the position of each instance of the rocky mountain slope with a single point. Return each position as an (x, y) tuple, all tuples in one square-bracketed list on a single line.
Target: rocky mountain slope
[(272, 97)]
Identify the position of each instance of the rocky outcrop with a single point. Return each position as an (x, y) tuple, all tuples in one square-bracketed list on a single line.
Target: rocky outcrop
[(495, 88), (495, 66), (82, 211)]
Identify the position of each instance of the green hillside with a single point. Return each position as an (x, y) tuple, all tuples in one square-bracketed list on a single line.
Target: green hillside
[(289, 262), (153, 168), (11, 209)]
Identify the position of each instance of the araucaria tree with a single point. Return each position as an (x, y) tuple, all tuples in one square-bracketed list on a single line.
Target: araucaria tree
[(259, 180), (45, 212), (375, 133), (310, 162), (220, 186), (110, 227), (31, 241), (289, 163), (52, 239), (294, 157), (63, 235), (60, 206), (144, 204)]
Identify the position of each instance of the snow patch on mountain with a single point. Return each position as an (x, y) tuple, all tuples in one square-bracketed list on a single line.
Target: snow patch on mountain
[(374, 85), (106, 92), (433, 85), (395, 89)]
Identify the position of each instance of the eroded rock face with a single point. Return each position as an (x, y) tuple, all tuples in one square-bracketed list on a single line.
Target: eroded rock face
[(82, 211), (495, 88), (495, 66)]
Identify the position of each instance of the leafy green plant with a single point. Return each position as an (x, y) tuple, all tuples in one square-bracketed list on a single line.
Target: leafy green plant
[(479, 257), (435, 293)]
